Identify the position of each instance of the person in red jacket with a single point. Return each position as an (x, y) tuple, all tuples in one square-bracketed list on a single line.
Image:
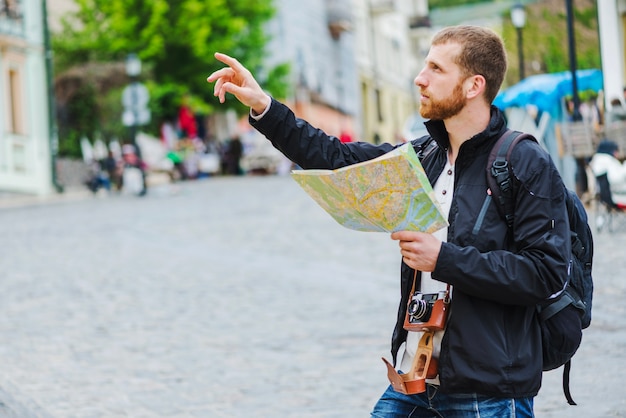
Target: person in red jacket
[(187, 121), (345, 137)]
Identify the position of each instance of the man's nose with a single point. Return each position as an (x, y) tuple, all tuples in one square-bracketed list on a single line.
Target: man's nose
[(420, 80)]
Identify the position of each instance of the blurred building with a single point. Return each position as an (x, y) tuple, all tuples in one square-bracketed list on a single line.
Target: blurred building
[(25, 132), (393, 38), (57, 10), (317, 38), (353, 62), (488, 14)]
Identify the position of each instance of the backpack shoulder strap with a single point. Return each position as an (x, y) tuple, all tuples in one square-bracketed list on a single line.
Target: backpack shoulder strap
[(499, 175)]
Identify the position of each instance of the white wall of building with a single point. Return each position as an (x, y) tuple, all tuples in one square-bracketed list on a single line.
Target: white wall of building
[(612, 49), (389, 57), (25, 162), (323, 65)]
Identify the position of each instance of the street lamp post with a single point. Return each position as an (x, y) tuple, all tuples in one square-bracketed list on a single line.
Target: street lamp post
[(135, 99), (582, 184), (518, 18), (576, 116), (133, 69), (136, 113), (52, 125)]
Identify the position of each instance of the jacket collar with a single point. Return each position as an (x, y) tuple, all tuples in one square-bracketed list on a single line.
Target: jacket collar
[(497, 124)]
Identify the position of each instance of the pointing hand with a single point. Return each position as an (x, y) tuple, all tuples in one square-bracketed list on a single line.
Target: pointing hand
[(238, 81)]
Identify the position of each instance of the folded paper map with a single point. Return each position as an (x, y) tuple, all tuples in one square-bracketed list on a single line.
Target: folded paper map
[(389, 193)]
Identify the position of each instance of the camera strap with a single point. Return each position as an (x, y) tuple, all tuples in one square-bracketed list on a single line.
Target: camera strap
[(415, 281), (424, 366)]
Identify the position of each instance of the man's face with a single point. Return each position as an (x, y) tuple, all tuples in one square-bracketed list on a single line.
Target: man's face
[(441, 84)]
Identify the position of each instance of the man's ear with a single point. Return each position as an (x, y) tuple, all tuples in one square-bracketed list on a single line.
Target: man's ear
[(475, 86)]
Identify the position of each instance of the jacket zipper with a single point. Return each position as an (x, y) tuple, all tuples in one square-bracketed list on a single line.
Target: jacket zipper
[(482, 214)]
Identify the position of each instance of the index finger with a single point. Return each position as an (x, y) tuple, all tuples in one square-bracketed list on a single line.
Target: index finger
[(230, 61), (405, 235)]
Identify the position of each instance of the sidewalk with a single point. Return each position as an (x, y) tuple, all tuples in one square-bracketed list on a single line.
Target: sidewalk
[(69, 194), (234, 297), (13, 200)]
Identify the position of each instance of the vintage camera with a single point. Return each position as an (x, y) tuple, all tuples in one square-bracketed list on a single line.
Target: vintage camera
[(427, 311)]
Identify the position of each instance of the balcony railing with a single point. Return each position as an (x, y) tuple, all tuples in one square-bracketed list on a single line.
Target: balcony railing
[(11, 18), (339, 16), (382, 6), (579, 139), (416, 22)]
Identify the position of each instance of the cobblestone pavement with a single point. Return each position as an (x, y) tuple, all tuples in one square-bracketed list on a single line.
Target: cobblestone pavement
[(229, 297)]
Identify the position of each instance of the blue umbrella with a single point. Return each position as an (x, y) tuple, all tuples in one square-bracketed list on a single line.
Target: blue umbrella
[(546, 91)]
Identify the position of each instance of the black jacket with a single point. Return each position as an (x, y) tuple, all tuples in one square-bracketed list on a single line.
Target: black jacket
[(492, 343)]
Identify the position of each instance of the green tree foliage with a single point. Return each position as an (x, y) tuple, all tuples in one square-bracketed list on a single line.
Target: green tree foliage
[(175, 39), (545, 41), (80, 109)]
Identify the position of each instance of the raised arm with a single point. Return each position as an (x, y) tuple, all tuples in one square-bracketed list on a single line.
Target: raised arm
[(238, 81)]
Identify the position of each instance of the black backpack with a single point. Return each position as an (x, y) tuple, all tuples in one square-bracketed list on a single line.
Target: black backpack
[(564, 317)]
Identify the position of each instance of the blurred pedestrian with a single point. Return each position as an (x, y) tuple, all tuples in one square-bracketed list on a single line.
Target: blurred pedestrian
[(345, 137), (605, 161), (617, 112), (187, 120), (134, 171), (233, 151), (113, 168)]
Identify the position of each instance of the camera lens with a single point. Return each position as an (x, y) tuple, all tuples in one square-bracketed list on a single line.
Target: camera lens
[(419, 309)]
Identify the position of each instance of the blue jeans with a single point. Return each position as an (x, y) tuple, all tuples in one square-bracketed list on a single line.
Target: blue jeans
[(433, 404)]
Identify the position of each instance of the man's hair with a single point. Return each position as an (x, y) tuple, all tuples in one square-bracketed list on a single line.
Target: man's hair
[(482, 52)]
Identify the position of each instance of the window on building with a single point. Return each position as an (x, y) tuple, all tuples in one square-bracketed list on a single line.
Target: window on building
[(10, 9), (11, 18), (15, 124), (19, 157), (379, 105)]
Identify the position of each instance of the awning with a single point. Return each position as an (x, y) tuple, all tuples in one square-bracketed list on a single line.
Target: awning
[(546, 91)]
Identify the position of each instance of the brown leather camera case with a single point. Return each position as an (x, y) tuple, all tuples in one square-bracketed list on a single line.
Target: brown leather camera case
[(424, 367), (436, 322)]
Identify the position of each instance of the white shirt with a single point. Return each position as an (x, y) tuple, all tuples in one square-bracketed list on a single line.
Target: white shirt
[(444, 190)]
